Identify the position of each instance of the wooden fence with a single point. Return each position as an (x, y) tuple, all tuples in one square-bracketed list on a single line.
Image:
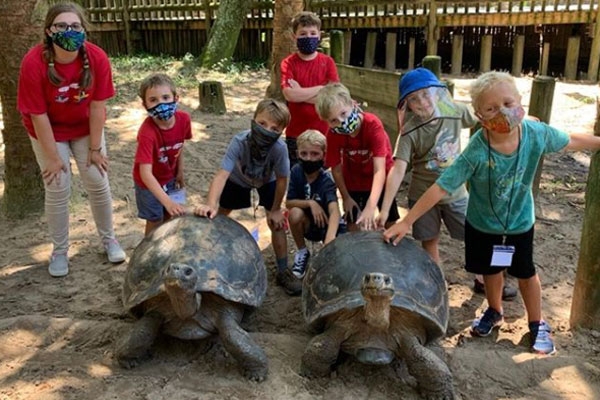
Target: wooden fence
[(382, 28)]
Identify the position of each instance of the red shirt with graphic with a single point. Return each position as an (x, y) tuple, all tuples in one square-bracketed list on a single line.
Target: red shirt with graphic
[(67, 105), (356, 153), (319, 71), (161, 148)]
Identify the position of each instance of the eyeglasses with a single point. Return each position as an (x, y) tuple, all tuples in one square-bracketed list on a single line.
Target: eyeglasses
[(63, 26)]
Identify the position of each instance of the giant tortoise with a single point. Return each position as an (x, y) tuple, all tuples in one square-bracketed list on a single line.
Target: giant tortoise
[(377, 302), (192, 278)]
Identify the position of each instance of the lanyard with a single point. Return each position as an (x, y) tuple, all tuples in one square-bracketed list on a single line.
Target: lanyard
[(512, 188)]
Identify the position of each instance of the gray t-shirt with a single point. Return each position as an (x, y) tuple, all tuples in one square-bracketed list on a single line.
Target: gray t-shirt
[(250, 173), (431, 149)]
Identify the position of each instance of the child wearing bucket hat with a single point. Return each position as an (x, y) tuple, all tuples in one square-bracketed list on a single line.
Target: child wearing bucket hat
[(430, 123)]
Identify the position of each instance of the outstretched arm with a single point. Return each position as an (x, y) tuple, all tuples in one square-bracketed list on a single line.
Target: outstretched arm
[(583, 141), (211, 208), (392, 184)]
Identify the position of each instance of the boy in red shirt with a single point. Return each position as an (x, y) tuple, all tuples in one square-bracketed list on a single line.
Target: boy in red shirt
[(303, 75), (359, 154), (158, 167)]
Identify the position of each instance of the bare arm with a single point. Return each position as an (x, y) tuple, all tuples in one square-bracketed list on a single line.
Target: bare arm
[(430, 198), (45, 137), (333, 222), (154, 186), (347, 202), (392, 184), (97, 119), (583, 141), (179, 178), (297, 94), (211, 207), (367, 218), (276, 214)]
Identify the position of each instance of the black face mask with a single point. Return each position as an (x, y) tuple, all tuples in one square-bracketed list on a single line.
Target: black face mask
[(261, 140), (310, 166)]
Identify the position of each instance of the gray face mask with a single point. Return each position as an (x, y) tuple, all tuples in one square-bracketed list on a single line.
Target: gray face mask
[(261, 140)]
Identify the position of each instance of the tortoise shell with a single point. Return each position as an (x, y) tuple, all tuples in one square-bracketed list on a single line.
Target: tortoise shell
[(224, 254), (335, 275)]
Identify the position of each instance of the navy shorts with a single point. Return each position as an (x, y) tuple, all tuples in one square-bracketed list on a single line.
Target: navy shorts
[(235, 197), (479, 248), (361, 199), (149, 208)]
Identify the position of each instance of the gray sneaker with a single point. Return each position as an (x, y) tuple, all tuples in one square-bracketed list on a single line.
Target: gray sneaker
[(59, 265), (114, 251)]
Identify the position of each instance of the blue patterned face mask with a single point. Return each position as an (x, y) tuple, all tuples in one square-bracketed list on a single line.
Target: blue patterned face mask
[(163, 111), (307, 44), (349, 125), (68, 40)]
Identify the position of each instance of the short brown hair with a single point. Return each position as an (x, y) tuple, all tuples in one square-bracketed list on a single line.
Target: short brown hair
[(331, 95), (305, 18), (312, 137), (156, 80), (276, 109)]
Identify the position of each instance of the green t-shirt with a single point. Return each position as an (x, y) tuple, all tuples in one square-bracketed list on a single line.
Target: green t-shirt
[(431, 149), (485, 169)]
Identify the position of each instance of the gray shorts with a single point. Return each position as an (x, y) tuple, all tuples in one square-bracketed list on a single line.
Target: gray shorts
[(453, 214)]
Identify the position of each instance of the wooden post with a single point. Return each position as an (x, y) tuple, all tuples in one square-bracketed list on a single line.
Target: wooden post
[(336, 43), (432, 29), (545, 58), (347, 46), (457, 54), (518, 50), (572, 57), (370, 50), (585, 309), (411, 53), (128, 42), (211, 97), (540, 106), (434, 64), (485, 58), (592, 74), (207, 18), (390, 51)]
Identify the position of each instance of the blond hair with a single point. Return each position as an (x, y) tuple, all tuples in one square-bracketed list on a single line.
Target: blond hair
[(276, 109), (155, 80), (305, 18), (312, 137), (332, 95), (486, 82)]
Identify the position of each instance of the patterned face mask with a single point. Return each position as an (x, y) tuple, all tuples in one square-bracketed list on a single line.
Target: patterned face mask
[(68, 40), (505, 120), (349, 125), (307, 44), (163, 111)]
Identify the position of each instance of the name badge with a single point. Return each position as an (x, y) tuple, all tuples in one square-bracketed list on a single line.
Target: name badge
[(502, 256), (178, 196)]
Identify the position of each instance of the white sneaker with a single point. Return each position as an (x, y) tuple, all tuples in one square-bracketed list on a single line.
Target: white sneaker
[(114, 251), (59, 265)]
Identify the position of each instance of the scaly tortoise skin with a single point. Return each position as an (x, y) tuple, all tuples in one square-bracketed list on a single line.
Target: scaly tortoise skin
[(377, 302), (192, 278)]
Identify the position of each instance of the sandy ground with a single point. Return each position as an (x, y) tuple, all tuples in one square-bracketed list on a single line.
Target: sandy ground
[(57, 335)]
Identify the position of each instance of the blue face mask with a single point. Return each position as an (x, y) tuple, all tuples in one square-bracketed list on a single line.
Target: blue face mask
[(163, 111), (307, 44), (68, 40), (349, 125)]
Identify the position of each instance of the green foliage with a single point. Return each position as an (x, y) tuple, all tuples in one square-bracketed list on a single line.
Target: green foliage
[(231, 67)]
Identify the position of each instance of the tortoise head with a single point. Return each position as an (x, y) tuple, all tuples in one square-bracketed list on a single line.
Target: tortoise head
[(378, 291), (180, 285)]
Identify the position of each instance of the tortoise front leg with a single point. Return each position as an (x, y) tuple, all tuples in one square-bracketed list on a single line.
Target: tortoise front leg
[(432, 374), (322, 352), (136, 344), (242, 347)]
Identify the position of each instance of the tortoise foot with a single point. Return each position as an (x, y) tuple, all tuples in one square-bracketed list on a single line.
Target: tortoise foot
[(256, 374)]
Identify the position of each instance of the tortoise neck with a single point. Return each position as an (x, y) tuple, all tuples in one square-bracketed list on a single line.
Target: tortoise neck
[(377, 311), (185, 302)]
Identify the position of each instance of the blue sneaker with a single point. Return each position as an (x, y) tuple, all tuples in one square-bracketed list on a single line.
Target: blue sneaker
[(541, 339), (300, 263), (484, 325)]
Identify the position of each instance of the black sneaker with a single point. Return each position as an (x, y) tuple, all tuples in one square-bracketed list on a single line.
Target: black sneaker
[(484, 325), (508, 292), (300, 264), (290, 284)]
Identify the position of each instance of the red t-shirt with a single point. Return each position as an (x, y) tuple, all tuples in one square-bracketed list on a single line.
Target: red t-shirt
[(319, 71), (161, 148), (67, 106), (356, 153)]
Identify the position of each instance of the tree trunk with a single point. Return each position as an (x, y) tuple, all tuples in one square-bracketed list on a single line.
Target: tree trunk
[(283, 41), (585, 309), (225, 32), (23, 189)]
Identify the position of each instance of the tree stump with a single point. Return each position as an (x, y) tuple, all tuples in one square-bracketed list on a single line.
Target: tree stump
[(211, 97)]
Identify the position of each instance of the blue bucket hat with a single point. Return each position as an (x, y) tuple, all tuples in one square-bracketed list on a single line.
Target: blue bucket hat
[(417, 79)]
